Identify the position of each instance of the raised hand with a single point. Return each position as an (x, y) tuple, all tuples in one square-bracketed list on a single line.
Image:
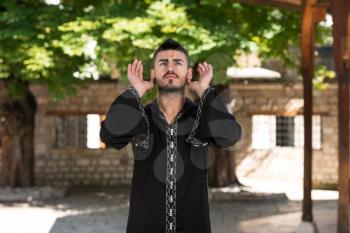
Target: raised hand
[(205, 71), (135, 77)]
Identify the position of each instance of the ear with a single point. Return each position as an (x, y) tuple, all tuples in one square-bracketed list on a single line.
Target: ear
[(189, 73), (189, 76)]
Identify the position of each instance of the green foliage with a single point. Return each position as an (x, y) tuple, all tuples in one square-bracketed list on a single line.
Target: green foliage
[(324, 35), (63, 45), (322, 74)]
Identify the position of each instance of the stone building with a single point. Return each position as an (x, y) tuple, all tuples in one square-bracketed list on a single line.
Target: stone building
[(68, 150)]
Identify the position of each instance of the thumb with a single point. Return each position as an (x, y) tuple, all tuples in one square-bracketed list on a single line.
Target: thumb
[(150, 83)]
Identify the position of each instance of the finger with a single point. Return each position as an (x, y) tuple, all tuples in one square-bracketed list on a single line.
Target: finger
[(201, 67), (199, 71), (133, 67), (206, 65), (137, 68), (129, 68), (141, 71)]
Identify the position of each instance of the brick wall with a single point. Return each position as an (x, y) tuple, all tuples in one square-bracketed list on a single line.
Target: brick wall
[(100, 167), (78, 166), (285, 164), (109, 167)]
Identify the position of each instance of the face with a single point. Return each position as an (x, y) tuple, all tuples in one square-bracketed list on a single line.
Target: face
[(171, 70)]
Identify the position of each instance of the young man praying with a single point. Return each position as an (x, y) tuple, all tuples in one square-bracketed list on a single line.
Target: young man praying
[(170, 139)]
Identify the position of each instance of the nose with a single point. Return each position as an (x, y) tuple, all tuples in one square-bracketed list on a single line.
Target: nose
[(171, 67)]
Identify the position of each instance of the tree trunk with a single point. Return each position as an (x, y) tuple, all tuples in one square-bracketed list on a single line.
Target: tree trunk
[(17, 136), (223, 171)]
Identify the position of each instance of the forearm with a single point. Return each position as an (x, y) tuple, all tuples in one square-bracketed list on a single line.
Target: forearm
[(213, 122), (124, 119)]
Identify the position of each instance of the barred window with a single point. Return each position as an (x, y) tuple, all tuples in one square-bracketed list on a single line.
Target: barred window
[(269, 131), (285, 131), (81, 131)]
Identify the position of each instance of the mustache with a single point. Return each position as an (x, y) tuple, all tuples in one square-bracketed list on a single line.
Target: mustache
[(171, 74)]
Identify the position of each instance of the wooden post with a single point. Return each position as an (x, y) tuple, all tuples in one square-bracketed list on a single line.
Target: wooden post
[(341, 50), (311, 16)]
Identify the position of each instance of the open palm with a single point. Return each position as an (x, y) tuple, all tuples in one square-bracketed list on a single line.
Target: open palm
[(205, 71), (135, 77)]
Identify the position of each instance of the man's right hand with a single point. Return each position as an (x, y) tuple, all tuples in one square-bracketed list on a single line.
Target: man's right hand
[(135, 77)]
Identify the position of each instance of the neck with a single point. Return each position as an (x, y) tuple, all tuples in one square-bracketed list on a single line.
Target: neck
[(170, 103)]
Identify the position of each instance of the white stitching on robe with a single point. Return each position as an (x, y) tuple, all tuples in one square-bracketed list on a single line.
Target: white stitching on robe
[(144, 143), (191, 138)]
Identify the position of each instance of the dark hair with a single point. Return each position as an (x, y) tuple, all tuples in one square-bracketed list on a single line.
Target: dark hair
[(170, 44)]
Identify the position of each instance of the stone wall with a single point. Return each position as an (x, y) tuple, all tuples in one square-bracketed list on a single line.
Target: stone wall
[(109, 167), (285, 164), (73, 165), (98, 167)]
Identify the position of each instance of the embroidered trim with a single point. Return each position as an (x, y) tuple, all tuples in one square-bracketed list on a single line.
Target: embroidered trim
[(144, 143), (171, 179), (191, 138), (170, 199)]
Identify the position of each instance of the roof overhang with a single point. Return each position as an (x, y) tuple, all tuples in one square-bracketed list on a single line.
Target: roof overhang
[(251, 73)]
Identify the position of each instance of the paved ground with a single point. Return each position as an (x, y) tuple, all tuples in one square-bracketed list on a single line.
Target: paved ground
[(105, 211)]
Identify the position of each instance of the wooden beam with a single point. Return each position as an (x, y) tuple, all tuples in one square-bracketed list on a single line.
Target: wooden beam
[(311, 16), (68, 112), (289, 4), (340, 10)]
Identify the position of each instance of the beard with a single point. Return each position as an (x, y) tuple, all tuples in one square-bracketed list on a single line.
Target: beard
[(171, 89)]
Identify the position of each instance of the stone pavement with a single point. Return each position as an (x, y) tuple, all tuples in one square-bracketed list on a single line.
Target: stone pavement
[(105, 210)]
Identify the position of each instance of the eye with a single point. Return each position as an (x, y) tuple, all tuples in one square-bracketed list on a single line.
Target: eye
[(178, 63)]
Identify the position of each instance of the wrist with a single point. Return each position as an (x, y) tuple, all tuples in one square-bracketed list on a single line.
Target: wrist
[(201, 90), (139, 90)]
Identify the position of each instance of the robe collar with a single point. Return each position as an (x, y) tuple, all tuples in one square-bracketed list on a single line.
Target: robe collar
[(188, 105)]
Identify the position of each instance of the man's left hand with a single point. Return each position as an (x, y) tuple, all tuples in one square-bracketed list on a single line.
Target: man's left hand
[(205, 71)]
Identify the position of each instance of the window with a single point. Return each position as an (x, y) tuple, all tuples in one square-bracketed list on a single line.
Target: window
[(316, 132), (264, 131), (70, 131), (269, 131), (78, 131), (284, 131)]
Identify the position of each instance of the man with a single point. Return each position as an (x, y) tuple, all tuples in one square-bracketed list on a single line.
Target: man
[(170, 138)]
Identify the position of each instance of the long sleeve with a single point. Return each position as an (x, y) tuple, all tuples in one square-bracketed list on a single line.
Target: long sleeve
[(126, 120), (214, 123)]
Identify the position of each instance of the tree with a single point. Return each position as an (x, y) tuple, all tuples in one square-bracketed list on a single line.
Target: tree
[(64, 44)]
